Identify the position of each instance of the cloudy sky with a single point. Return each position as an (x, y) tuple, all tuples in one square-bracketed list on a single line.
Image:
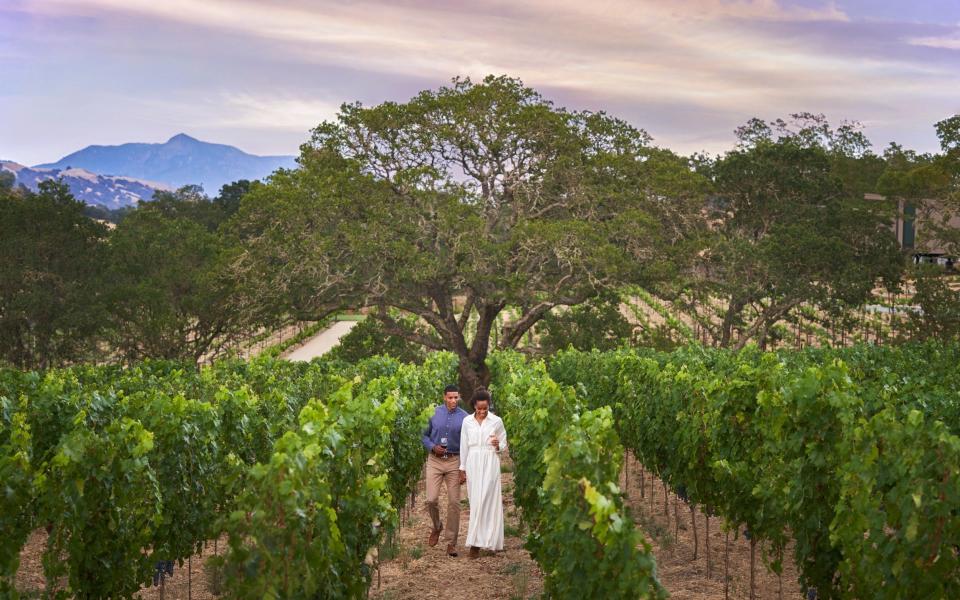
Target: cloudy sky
[(260, 73)]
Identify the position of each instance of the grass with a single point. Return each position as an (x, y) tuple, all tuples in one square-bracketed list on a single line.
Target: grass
[(655, 530), (416, 552), (511, 531), (519, 578), (506, 467), (390, 552), (346, 317), (402, 554)]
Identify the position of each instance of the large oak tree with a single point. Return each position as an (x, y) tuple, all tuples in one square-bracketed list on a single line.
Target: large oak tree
[(51, 277), (475, 207), (790, 228)]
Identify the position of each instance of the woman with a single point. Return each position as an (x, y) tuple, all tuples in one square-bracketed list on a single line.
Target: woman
[(482, 438)]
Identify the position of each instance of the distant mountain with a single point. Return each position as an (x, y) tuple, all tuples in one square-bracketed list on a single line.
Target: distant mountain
[(108, 191), (181, 160)]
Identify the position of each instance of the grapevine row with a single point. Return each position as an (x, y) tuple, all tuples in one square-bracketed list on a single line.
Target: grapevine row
[(853, 454), (125, 467), (567, 465)]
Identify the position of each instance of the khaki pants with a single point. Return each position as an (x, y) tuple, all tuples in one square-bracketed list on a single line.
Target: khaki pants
[(447, 470)]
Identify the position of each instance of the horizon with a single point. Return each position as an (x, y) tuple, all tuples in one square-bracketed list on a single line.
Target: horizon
[(106, 72)]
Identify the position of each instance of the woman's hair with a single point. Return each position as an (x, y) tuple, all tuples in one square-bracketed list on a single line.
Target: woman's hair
[(479, 395)]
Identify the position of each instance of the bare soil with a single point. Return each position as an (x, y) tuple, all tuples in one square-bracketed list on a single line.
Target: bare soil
[(192, 581), (672, 540), (419, 571)]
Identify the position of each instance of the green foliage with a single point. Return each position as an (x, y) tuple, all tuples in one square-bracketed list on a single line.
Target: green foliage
[(16, 489), (186, 461), (231, 195), (567, 465), (307, 518), (848, 452), (791, 228), (170, 296), (134, 465), (50, 277), (484, 191), (898, 508), (103, 500), (7, 180), (597, 323), (368, 338), (938, 317)]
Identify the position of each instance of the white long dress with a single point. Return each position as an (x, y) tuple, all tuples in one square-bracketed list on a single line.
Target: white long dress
[(482, 463)]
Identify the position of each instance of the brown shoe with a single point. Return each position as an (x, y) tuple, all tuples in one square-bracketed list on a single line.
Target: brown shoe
[(451, 550), (474, 552), (434, 537)]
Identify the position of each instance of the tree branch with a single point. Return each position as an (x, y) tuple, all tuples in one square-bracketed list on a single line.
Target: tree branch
[(514, 333)]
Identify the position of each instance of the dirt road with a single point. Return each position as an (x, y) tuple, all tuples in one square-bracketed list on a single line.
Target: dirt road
[(321, 343)]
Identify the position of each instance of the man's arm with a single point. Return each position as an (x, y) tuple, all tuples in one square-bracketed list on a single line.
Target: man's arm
[(427, 442)]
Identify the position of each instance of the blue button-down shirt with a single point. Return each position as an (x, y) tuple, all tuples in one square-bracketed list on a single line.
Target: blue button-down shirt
[(445, 423)]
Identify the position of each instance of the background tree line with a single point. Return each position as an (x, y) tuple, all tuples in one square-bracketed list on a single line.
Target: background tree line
[(155, 285), (474, 216)]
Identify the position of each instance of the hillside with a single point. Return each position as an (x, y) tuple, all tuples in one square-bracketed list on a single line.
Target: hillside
[(108, 191), (181, 160)]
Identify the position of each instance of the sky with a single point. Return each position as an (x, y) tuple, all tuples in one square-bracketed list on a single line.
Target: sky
[(260, 74)]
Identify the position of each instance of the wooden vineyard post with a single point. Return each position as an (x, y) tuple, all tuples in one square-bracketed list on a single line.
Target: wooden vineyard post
[(666, 501), (780, 574), (676, 518), (707, 545), (643, 481), (696, 541), (726, 565), (666, 506), (626, 472), (652, 487), (378, 564)]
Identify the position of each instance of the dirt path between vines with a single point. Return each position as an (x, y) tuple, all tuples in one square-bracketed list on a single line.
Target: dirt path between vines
[(419, 571), (673, 545)]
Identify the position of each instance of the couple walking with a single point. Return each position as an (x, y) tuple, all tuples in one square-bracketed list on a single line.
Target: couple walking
[(465, 448)]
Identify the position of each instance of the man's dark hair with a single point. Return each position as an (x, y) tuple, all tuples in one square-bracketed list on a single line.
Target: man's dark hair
[(450, 388)]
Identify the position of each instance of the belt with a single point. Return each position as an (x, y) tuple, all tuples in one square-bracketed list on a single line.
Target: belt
[(446, 454)]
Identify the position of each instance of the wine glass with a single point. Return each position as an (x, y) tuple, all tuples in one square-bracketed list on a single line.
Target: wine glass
[(443, 444)]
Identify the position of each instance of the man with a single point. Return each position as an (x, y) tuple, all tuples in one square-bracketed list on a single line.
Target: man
[(441, 438)]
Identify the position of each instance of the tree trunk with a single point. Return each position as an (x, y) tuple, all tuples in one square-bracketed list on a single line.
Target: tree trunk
[(472, 376), (726, 327)]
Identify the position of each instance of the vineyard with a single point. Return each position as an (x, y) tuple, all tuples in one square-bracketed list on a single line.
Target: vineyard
[(847, 457), (302, 467), (853, 454)]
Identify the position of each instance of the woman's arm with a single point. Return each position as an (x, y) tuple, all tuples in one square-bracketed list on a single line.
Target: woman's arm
[(464, 448), (502, 436)]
